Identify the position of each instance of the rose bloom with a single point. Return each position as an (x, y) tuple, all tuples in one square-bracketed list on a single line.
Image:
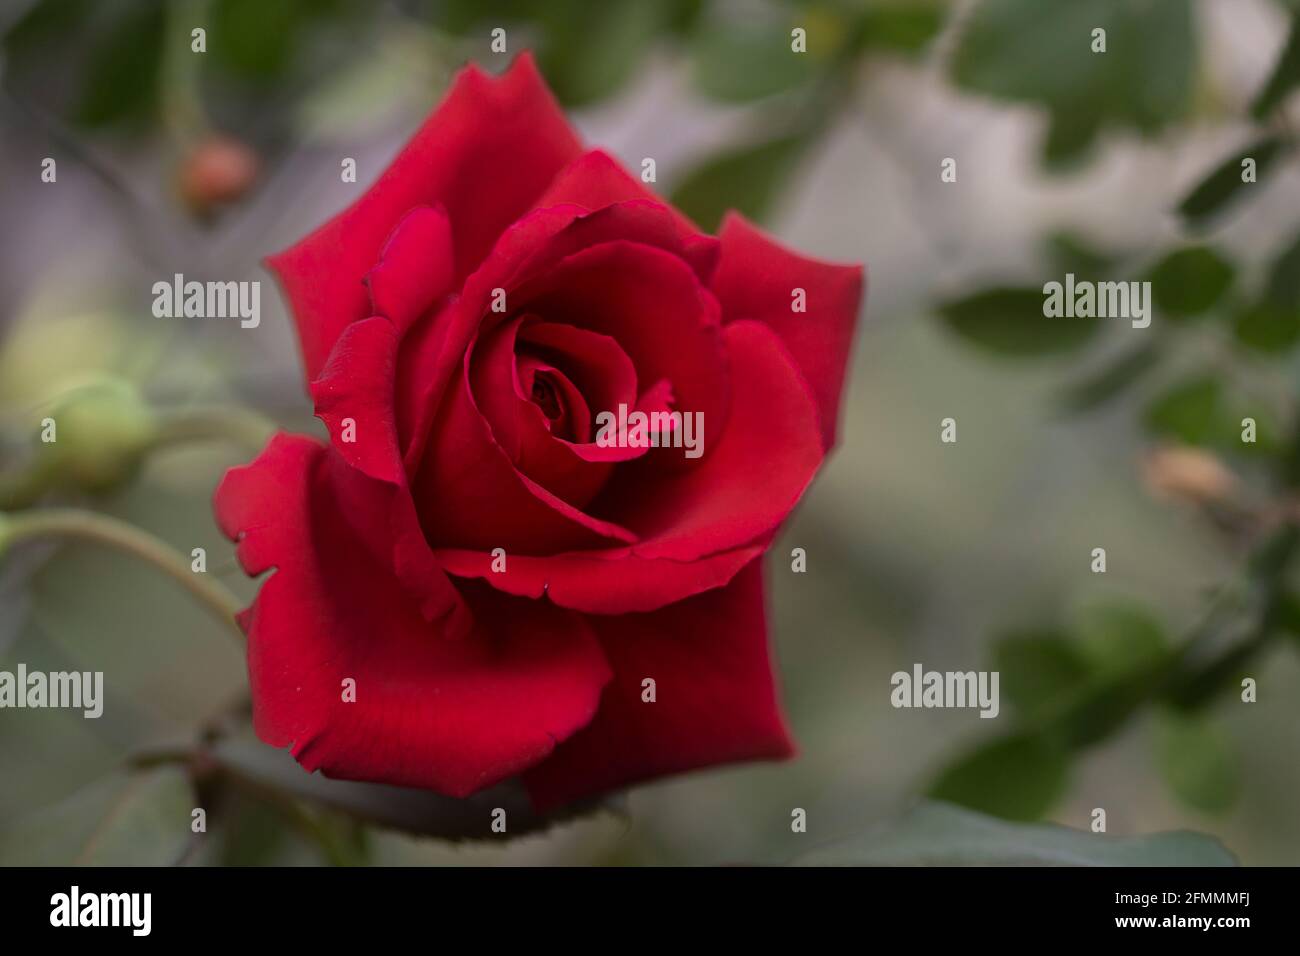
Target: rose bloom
[(462, 326)]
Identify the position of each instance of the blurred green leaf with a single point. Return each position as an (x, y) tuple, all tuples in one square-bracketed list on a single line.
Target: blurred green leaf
[(590, 51), (1273, 324), (125, 819), (1266, 327), (124, 67), (1118, 639), (1017, 778), (251, 834), (420, 812), (1215, 194), (1010, 321), (255, 39), (1110, 380), (1104, 706), (1071, 253), (1196, 761), (1038, 670), (1190, 281), (1070, 135), (1190, 411), (45, 20), (937, 834), (746, 179), (1031, 51), (737, 62), (1284, 277), (902, 26), (1285, 75)]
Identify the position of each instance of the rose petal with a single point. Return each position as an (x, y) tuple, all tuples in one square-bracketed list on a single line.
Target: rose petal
[(486, 154), (715, 696), (434, 350), (474, 497), (415, 269), (650, 302), (613, 581), (595, 180), (452, 716), (699, 525), (756, 279), (751, 474), (353, 398)]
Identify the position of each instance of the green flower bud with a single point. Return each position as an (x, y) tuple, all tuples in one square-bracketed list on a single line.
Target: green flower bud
[(100, 433)]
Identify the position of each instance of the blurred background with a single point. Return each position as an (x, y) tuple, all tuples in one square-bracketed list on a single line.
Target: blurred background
[(1120, 690)]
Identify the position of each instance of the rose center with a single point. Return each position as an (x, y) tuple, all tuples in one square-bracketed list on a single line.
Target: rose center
[(545, 396)]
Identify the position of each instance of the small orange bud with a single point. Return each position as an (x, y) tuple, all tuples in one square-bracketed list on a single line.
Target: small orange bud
[(217, 171), (1188, 474)]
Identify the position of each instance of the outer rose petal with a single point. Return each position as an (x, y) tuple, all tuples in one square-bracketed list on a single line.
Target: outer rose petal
[(453, 716), (486, 154), (756, 279), (595, 180), (354, 398), (716, 699)]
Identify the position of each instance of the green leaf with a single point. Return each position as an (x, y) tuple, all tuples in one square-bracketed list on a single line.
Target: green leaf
[(140, 818), (1285, 75), (1215, 194), (937, 834), (1104, 707), (254, 39), (1038, 670), (121, 84), (1031, 51), (420, 812), (1120, 639), (1070, 137), (902, 26), (1071, 253), (737, 62), (1190, 281), (1284, 277), (1190, 411), (1017, 778), (1266, 327), (590, 51), (1196, 761), (1111, 380), (745, 179), (1010, 321)]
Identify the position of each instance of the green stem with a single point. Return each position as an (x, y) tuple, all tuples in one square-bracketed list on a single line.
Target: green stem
[(59, 523)]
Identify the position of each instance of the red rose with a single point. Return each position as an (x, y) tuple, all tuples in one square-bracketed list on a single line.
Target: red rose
[(458, 428)]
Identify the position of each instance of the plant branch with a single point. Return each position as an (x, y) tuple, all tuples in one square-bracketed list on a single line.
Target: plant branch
[(72, 523)]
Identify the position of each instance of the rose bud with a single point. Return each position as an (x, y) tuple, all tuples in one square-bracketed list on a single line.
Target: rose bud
[(216, 171)]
